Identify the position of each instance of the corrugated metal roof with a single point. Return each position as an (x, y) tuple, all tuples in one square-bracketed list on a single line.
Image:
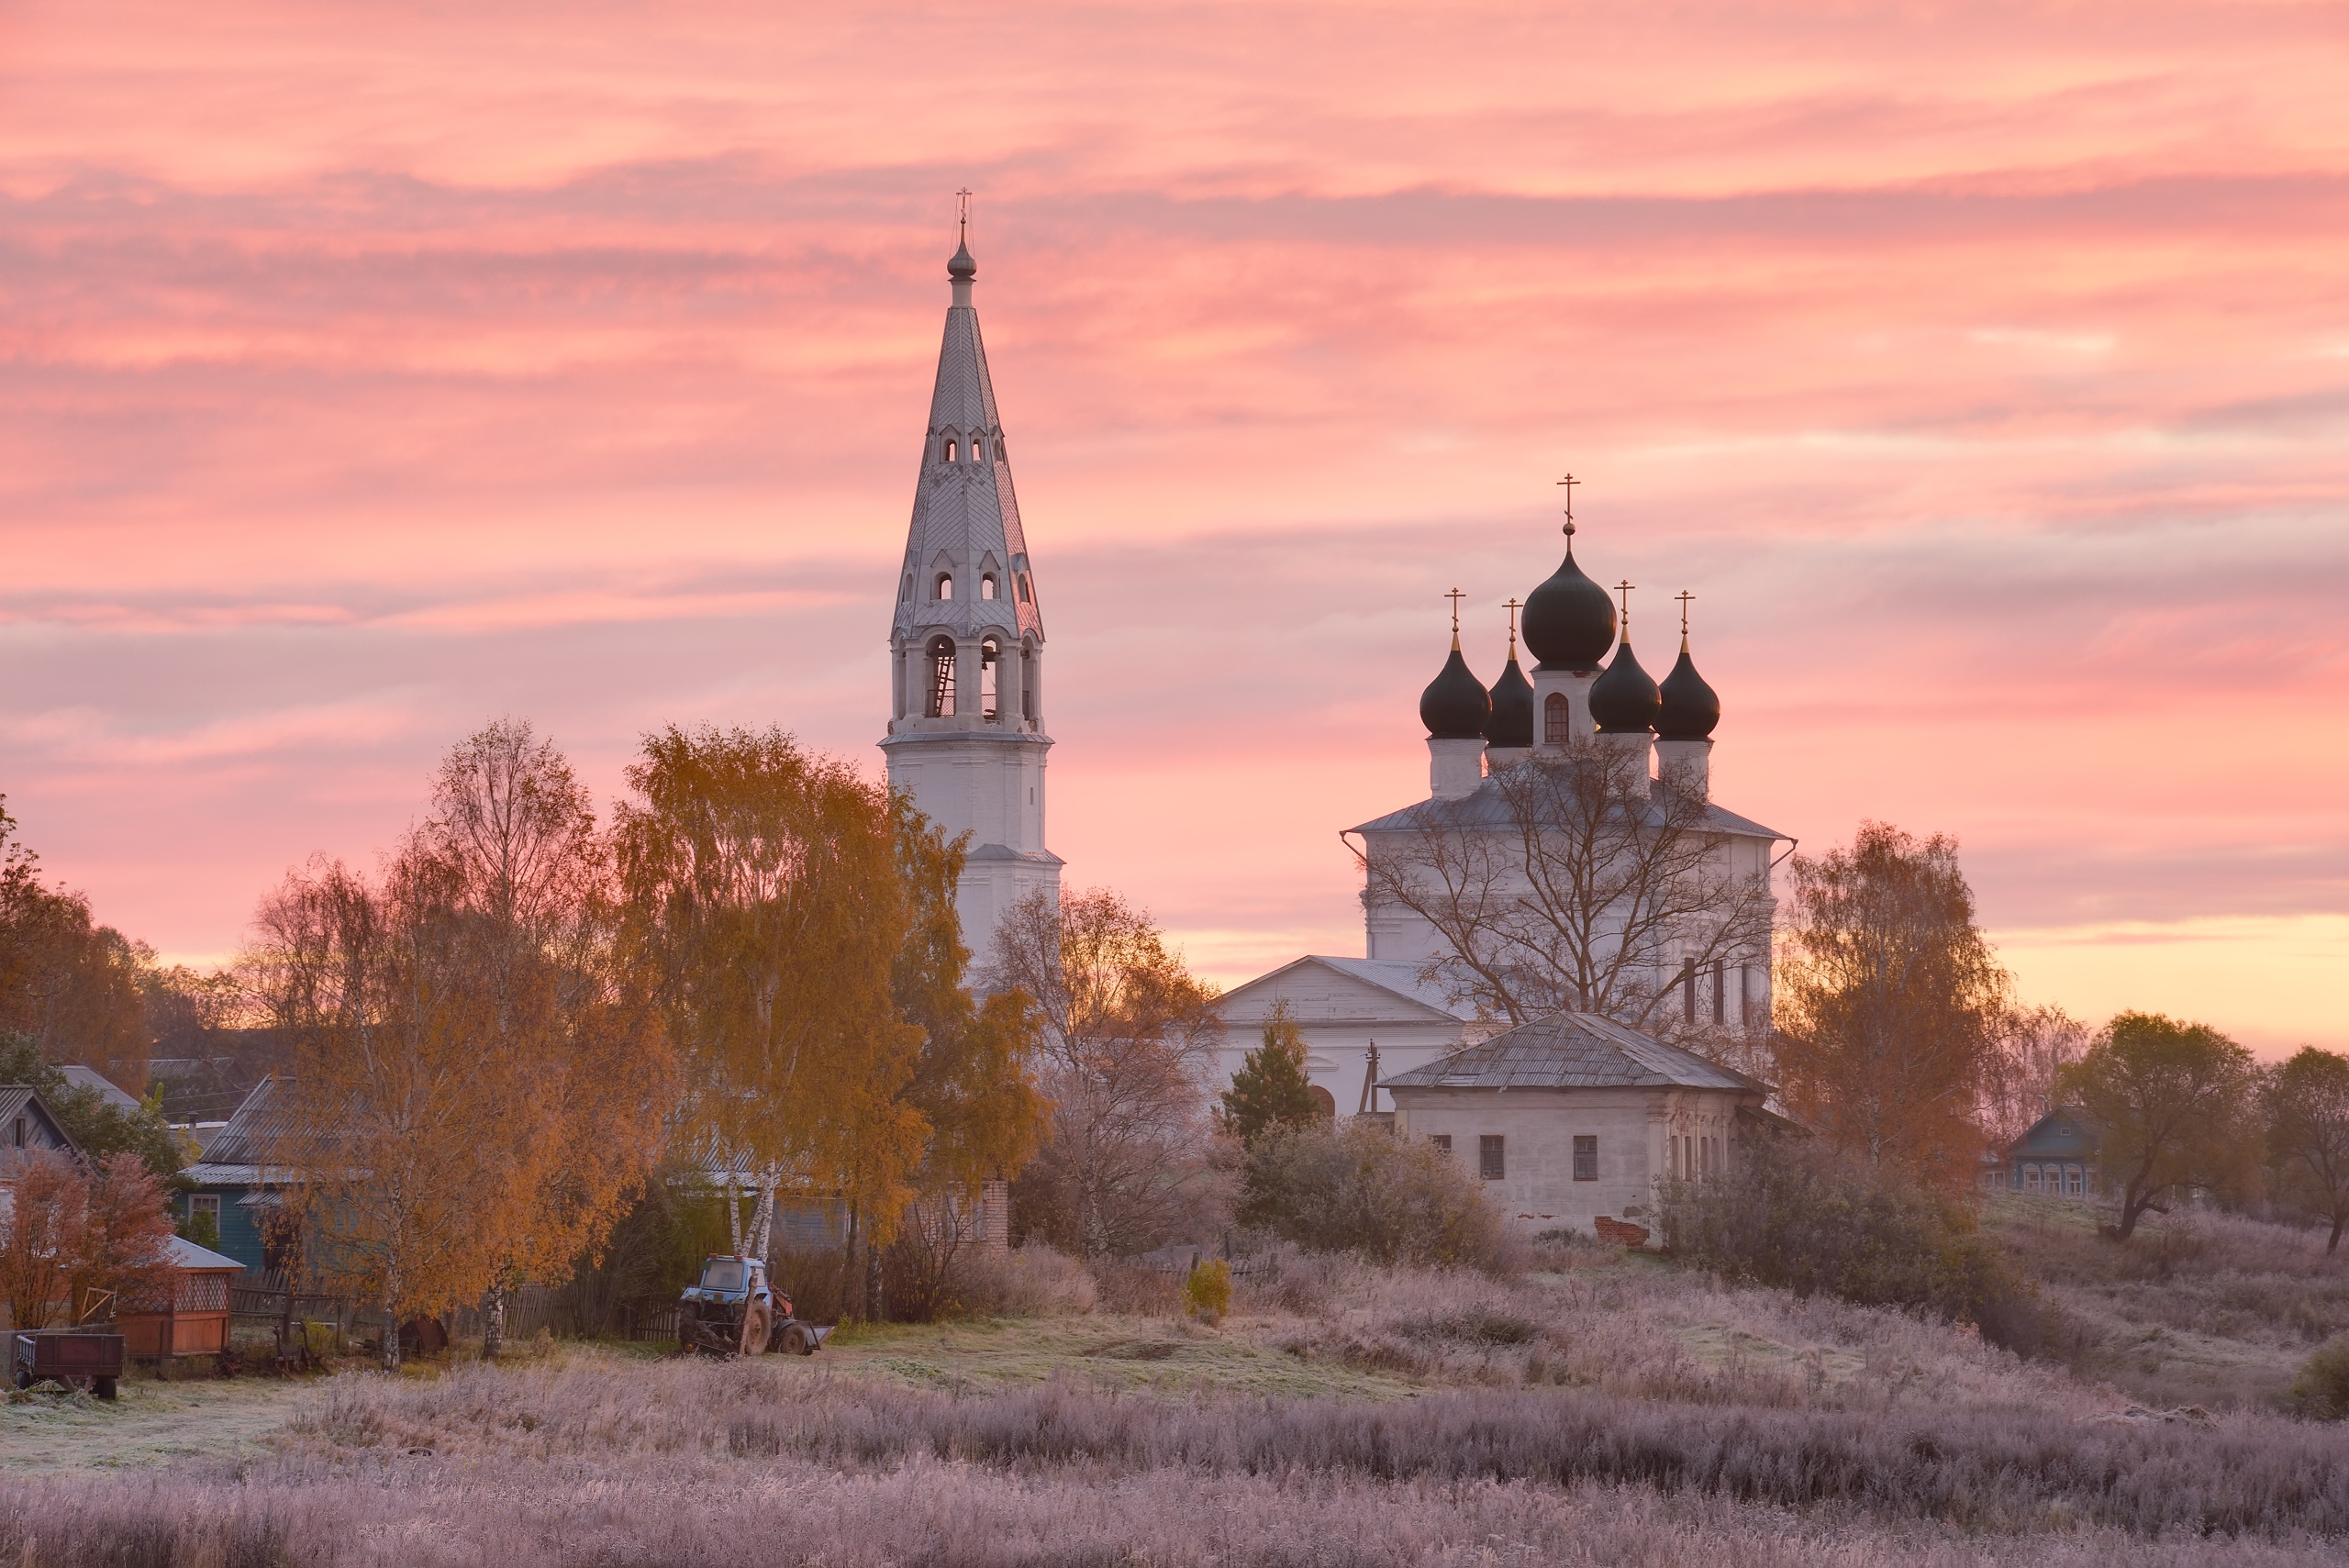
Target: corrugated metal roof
[(261, 1137), (91, 1078), (1571, 1050), (186, 1255)]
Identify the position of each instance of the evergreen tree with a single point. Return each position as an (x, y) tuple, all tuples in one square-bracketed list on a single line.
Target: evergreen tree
[(1271, 1091)]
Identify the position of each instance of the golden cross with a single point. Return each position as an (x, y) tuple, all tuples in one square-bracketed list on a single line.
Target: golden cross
[(1570, 481), (1512, 604), (1455, 596), (1684, 597), (1625, 588), (963, 214)]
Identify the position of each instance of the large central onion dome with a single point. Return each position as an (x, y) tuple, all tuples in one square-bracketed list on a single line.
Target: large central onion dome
[(1691, 707), (1454, 706), (1569, 619), (1623, 701), (1511, 724)]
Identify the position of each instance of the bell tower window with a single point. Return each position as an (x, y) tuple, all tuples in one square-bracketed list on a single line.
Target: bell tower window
[(1557, 718), (941, 678), (950, 449), (988, 667), (946, 585), (986, 586)]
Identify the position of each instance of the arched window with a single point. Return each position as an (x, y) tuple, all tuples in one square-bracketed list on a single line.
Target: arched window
[(986, 586), (1028, 683), (998, 448), (941, 677), (978, 449), (946, 585), (908, 592), (1557, 718), (988, 652), (1325, 1104), (950, 449), (1023, 587)]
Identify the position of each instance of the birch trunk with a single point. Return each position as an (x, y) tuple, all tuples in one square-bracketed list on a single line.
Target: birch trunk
[(492, 1321)]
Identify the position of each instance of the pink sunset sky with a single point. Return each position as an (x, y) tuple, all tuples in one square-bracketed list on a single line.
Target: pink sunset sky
[(368, 372)]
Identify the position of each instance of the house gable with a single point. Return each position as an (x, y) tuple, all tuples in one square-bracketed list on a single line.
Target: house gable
[(26, 1122), (1340, 992)]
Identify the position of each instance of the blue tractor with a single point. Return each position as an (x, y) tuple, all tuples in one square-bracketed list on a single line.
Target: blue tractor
[(734, 1312)]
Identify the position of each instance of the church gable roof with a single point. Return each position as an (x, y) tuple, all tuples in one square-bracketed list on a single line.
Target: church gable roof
[(1322, 990), (1571, 1050), (1485, 808)]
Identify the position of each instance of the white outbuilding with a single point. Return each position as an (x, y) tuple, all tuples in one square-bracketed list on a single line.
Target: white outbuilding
[(1572, 1121)]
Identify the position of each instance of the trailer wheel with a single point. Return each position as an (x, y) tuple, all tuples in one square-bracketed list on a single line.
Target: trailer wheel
[(24, 1378), (797, 1340), (106, 1388)]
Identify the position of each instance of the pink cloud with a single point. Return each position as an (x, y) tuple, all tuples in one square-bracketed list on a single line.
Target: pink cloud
[(366, 373)]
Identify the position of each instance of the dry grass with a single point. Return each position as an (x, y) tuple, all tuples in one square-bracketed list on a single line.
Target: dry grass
[(2198, 1307), (1603, 1408)]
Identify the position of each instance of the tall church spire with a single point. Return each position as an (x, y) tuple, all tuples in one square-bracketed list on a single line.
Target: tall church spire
[(966, 735)]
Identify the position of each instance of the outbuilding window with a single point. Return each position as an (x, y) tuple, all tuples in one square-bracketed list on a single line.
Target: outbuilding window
[(1491, 1159), (1585, 1157)]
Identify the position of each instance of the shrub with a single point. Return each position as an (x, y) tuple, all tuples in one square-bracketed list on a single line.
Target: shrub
[(1808, 1219), (1032, 1281), (1362, 1190), (2322, 1388), (1206, 1291)]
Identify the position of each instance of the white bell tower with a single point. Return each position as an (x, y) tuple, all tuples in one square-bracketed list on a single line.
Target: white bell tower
[(966, 732)]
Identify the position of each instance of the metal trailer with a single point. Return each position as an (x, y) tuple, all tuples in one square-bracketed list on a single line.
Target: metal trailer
[(86, 1358)]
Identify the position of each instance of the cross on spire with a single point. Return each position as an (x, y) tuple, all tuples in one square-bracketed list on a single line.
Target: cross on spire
[(1686, 597), (962, 215), (1570, 481), (1624, 588), (1511, 606)]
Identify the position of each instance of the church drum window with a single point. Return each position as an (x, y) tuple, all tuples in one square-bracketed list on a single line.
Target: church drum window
[(1585, 1157), (987, 666), (1557, 718), (1721, 992), (941, 678), (1492, 1161), (1688, 990)]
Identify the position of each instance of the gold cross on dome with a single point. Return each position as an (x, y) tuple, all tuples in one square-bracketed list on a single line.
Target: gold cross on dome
[(1512, 606), (1570, 481), (1625, 588), (1686, 598), (963, 214), (1455, 596)]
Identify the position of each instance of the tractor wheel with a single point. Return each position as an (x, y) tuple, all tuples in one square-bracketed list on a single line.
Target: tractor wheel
[(756, 1329), (106, 1388), (797, 1340)]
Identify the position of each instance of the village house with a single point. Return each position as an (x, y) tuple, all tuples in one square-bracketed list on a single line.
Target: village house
[(235, 1184), (1572, 1120), (2057, 1156)]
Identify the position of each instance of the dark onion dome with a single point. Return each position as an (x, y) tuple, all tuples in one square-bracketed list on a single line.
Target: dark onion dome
[(1623, 701), (962, 269), (1512, 697), (1569, 619), (1691, 707), (1454, 706)]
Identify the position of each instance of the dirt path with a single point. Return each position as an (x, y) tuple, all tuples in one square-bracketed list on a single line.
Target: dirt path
[(151, 1423)]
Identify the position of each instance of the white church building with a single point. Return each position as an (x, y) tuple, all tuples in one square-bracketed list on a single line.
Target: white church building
[(1393, 1001)]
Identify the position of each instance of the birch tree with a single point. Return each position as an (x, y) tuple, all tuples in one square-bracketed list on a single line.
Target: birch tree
[(762, 889), (1888, 1001), (2307, 1102), (1128, 1044), (1574, 883)]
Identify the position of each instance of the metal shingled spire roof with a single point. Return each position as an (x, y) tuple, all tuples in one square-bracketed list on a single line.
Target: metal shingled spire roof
[(965, 509)]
